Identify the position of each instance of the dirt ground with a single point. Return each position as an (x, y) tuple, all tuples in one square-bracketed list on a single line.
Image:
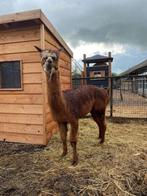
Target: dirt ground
[(118, 167)]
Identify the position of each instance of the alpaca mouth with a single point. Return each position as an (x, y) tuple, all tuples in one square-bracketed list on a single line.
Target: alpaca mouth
[(47, 67)]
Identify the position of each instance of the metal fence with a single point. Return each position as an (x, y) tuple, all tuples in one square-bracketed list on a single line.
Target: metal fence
[(128, 95)]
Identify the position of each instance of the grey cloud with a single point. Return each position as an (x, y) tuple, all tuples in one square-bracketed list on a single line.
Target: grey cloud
[(115, 21), (123, 23)]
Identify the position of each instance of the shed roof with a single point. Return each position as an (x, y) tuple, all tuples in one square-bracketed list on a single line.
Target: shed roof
[(97, 58), (34, 15), (137, 69)]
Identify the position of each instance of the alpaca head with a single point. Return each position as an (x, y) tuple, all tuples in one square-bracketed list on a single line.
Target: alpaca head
[(49, 60)]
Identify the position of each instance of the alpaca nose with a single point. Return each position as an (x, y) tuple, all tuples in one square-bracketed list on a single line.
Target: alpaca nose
[(49, 60)]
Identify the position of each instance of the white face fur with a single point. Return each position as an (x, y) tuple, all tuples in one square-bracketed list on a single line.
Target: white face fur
[(48, 60)]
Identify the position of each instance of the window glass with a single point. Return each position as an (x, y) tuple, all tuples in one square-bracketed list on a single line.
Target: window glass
[(10, 75)]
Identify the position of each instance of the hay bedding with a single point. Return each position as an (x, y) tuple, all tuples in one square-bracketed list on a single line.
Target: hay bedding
[(119, 167)]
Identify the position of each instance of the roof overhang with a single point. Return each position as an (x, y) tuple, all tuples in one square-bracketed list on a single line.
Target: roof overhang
[(34, 16), (137, 69), (97, 59)]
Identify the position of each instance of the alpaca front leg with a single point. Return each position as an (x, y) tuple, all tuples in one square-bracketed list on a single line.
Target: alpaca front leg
[(73, 142), (63, 134)]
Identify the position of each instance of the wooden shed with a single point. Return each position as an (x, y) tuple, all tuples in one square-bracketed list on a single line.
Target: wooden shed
[(24, 112)]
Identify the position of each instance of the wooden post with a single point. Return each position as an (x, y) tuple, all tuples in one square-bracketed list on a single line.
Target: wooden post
[(44, 85), (111, 98), (82, 75), (84, 57), (110, 69), (84, 65)]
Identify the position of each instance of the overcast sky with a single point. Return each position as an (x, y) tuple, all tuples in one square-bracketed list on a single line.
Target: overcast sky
[(94, 26)]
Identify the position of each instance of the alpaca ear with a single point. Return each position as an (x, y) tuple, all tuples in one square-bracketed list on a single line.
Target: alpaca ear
[(39, 49)]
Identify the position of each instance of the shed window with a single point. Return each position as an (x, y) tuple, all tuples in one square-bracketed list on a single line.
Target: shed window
[(10, 75), (95, 75)]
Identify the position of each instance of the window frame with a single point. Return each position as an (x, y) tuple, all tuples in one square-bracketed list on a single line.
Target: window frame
[(21, 76)]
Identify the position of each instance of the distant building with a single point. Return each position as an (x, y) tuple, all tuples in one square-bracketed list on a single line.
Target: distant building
[(137, 79), (139, 69), (97, 68)]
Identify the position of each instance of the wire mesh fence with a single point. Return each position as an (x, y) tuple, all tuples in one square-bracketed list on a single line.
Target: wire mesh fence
[(128, 95)]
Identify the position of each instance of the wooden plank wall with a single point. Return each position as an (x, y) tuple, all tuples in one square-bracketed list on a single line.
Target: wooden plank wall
[(65, 77), (21, 112)]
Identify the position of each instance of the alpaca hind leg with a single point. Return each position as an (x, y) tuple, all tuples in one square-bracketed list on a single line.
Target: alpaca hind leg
[(63, 134), (73, 142), (102, 127), (99, 118)]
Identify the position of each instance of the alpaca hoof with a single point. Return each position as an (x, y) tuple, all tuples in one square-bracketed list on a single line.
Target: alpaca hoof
[(63, 154), (101, 141), (74, 162)]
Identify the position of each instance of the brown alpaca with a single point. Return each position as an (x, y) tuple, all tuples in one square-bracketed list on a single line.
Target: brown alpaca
[(70, 105)]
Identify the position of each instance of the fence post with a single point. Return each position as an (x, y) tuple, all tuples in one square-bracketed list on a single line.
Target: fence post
[(111, 97), (121, 96), (143, 88)]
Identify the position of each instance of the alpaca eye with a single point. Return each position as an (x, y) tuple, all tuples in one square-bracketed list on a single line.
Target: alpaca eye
[(44, 59), (54, 57)]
